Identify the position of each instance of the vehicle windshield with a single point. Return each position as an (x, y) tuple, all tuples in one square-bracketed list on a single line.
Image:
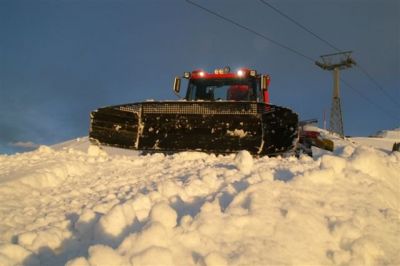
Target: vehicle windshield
[(223, 90)]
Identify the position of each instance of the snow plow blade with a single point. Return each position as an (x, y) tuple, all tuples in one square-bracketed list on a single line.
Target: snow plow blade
[(325, 144), (213, 127)]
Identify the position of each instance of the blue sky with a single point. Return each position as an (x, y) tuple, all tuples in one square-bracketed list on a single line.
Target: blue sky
[(61, 59)]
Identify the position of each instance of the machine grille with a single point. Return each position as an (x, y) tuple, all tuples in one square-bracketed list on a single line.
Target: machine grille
[(201, 108)]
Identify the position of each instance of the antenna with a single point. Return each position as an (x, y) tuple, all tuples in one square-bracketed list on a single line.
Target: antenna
[(335, 62)]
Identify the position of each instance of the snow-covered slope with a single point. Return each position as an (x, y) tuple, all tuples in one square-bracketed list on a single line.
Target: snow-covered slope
[(390, 134), (76, 204), (383, 140)]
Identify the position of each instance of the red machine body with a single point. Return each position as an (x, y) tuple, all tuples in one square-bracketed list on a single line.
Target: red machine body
[(235, 89)]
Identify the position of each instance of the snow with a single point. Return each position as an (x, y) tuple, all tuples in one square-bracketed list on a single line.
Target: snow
[(164, 214), (79, 204), (237, 133), (389, 134), (244, 162), (383, 140), (378, 143)]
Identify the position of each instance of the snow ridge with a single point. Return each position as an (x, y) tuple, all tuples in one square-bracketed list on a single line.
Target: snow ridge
[(78, 204)]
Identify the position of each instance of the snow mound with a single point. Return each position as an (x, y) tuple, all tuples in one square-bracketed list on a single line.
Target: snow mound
[(389, 134), (383, 140), (164, 214), (244, 162), (78, 204), (115, 221)]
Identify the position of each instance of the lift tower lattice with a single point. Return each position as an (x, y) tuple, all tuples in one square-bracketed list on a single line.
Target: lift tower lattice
[(335, 62)]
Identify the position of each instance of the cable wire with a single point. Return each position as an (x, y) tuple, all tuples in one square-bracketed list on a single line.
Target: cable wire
[(287, 48), (237, 24), (300, 25), (383, 110), (371, 79), (392, 99)]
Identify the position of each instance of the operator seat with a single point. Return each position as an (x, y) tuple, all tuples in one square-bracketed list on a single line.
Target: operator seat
[(238, 93)]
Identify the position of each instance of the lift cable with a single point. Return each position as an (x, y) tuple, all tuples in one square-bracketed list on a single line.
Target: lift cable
[(237, 24), (383, 110), (308, 58), (371, 79), (378, 85), (300, 25)]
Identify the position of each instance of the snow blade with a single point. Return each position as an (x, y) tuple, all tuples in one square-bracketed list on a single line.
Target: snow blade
[(214, 127)]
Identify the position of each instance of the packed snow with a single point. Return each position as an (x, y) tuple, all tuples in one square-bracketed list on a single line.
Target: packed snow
[(389, 134), (384, 140), (78, 204)]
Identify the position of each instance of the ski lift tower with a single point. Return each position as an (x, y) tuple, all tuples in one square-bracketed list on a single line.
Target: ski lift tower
[(335, 62)]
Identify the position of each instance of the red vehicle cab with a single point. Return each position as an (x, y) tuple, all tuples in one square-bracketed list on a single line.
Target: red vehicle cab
[(223, 85)]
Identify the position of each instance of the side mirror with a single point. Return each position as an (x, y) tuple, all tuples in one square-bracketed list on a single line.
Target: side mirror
[(177, 85), (264, 88), (264, 82)]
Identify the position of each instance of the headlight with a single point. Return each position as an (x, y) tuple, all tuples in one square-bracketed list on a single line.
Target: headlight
[(186, 75), (201, 74), (240, 73)]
